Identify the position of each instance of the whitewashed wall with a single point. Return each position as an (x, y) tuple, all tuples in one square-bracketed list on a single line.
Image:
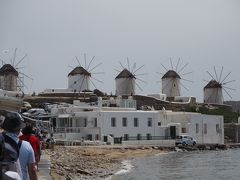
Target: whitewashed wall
[(213, 95), (8, 82), (143, 129), (189, 121), (79, 82), (125, 86), (171, 87)]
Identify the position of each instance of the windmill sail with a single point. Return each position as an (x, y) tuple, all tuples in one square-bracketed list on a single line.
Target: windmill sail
[(126, 80), (213, 91)]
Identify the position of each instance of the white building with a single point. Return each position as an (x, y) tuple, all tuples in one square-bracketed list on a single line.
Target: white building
[(203, 128), (95, 123)]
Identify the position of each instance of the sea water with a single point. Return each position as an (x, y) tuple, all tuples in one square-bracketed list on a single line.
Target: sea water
[(195, 165)]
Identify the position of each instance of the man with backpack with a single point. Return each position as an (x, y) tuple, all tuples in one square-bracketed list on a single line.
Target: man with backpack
[(12, 149)]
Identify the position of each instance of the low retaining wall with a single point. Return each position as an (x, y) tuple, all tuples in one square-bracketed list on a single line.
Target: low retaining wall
[(150, 142)]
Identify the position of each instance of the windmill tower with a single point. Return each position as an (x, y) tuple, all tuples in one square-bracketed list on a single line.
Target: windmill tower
[(126, 80), (125, 83), (80, 78), (213, 91), (8, 78), (11, 79), (172, 79), (171, 84)]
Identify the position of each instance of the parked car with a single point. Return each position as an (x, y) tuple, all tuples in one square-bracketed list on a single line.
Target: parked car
[(34, 112), (185, 140)]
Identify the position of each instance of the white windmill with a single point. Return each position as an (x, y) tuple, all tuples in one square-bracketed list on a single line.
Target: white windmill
[(80, 78), (11, 78), (8, 78), (171, 79), (213, 91), (126, 80)]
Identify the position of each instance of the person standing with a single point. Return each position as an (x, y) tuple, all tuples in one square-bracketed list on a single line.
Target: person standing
[(27, 161), (33, 140), (12, 125)]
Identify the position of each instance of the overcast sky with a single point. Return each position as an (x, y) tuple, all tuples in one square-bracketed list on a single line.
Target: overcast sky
[(202, 33)]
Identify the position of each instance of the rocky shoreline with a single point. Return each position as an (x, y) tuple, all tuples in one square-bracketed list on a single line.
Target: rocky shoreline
[(100, 162)]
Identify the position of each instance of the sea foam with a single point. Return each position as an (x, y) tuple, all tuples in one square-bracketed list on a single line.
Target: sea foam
[(125, 168)]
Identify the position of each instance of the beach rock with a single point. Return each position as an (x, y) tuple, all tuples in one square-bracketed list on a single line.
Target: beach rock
[(85, 172)]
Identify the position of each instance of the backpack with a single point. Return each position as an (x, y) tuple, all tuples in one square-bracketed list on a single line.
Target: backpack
[(9, 153)]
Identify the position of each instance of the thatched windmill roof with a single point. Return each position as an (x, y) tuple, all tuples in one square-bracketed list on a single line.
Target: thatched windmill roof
[(8, 69), (213, 84), (125, 74), (79, 70), (171, 74)]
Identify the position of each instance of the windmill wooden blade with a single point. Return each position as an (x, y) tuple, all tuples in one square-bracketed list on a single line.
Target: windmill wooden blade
[(160, 73), (164, 67), (184, 87), (210, 75), (177, 64), (187, 80), (93, 84), (97, 80), (85, 59), (139, 86), (24, 85), (141, 80), (183, 68), (90, 63), (215, 73), (171, 63), (134, 67), (186, 73), (143, 74), (229, 88), (227, 93), (128, 64), (3, 62), (77, 61), (21, 60), (98, 73), (26, 75), (121, 65), (228, 82), (95, 66), (220, 75), (138, 69), (14, 56), (225, 77)]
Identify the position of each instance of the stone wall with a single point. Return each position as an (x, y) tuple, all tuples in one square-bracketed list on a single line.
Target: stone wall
[(232, 133)]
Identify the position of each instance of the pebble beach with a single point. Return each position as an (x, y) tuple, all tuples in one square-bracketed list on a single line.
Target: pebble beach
[(94, 162)]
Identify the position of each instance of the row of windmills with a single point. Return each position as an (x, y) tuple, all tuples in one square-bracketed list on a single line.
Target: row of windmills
[(80, 79)]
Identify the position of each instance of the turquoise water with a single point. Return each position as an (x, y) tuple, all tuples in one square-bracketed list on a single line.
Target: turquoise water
[(197, 165)]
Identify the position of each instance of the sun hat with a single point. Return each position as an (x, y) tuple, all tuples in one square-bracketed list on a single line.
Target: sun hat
[(11, 121)]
